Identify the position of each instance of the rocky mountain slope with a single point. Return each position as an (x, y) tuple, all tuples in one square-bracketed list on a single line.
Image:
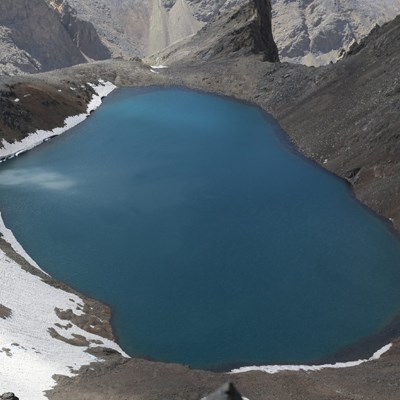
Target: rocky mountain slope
[(82, 33), (313, 32), (241, 32), (35, 37), (142, 27)]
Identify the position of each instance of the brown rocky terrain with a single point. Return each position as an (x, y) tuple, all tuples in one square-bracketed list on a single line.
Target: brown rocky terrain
[(345, 117), (145, 380)]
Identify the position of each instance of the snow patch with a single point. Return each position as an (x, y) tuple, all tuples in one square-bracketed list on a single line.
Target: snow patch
[(9, 237), (11, 150), (158, 66), (29, 356), (273, 369)]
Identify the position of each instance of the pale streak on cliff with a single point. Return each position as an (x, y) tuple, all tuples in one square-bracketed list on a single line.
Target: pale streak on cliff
[(168, 27)]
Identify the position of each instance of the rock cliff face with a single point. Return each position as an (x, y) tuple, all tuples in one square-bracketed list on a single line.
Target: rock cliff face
[(34, 38), (82, 33), (38, 36), (243, 31), (143, 27), (313, 32)]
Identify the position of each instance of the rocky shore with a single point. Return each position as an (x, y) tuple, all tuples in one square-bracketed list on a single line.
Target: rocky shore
[(345, 117)]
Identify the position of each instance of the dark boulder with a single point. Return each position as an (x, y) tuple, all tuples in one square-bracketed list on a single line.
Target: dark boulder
[(226, 392), (8, 396)]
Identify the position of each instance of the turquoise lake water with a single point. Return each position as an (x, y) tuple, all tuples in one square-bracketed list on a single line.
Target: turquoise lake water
[(214, 243)]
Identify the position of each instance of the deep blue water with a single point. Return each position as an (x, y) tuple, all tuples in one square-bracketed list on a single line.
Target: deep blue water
[(212, 241)]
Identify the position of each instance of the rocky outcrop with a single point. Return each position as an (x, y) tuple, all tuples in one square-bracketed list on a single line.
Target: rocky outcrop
[(314, 32), (241, 32), (13, 60), (132, 27), (35, 36), (5, 312), (82, 33), (311, 32), (122, 25), (8, 396), (38, 36), (226, 392)]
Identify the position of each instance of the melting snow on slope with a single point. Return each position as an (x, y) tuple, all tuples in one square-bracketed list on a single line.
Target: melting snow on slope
[(273, 369), (29, 356), (101, 89)]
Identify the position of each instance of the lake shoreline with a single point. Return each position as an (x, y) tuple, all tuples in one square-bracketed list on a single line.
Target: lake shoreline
[(350, 355)]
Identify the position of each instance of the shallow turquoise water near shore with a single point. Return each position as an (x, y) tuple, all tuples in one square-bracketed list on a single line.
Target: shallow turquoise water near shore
[(212, 241)]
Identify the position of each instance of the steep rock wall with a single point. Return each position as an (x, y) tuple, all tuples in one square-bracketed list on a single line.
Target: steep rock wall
[(313, 32), (243, 31), (82, 33), (35, 33)]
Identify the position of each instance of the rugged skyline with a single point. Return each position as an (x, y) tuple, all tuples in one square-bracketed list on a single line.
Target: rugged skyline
[(69, 32)]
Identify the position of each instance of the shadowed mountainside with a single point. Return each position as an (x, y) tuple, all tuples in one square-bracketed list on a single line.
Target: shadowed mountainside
[(242, 32), (34, 37), (82, 33)]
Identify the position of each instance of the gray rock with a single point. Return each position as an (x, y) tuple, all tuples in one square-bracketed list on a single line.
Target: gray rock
[(226, 392), (8, 396), (238, 32), (314, 32), (82, 33), (35, 37)]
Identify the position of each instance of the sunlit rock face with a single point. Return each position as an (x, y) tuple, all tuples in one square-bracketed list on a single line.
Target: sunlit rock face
[(32, 38), (143, 27), (314, 32), (82, 33), (38, 36), (311, 32), (236, 33)]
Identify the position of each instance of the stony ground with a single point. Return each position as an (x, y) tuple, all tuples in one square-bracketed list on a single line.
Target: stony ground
[(145, 380)]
